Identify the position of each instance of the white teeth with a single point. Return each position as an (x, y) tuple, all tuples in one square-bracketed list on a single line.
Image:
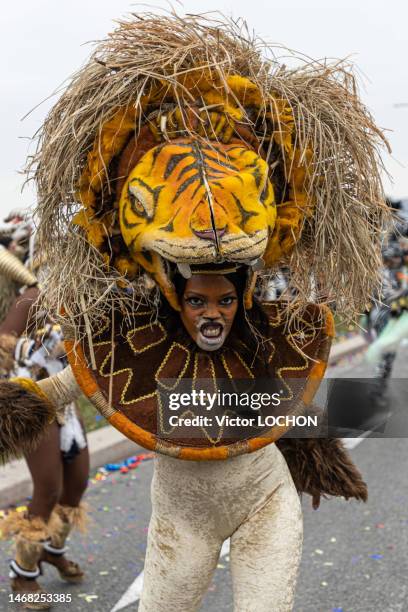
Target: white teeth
[(211, 332), (256, 264), (184, 270)]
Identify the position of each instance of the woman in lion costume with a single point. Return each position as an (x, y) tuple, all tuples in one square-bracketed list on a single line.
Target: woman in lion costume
[(181, 168)]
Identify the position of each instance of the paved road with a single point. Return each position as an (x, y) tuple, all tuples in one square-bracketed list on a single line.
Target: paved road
[(355, 555)]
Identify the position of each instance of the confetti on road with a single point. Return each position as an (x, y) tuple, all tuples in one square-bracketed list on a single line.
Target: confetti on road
[(129, 463), (88, 598), (376, 557)]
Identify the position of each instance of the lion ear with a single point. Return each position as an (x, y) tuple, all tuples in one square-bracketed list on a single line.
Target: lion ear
[(154, 266)]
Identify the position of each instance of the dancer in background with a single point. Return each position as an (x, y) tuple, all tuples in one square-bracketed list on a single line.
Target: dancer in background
[(59, 465), (386, 318)]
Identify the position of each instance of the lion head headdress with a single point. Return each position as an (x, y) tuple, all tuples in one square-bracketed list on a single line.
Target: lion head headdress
[(184, 142)]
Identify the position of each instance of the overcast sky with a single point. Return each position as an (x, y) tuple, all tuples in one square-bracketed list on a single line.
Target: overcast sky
[(42, 43)]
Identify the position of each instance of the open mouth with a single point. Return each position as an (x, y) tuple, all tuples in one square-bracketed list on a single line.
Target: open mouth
[(211, 336), (211, 331)]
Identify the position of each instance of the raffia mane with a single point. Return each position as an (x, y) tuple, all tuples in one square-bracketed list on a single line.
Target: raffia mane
[(339, 250)]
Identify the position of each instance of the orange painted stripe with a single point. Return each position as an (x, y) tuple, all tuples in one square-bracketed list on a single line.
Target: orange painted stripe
[(313, 381), (258, 443), (133, 431), (330, 328), (80, 368), (204, 454)]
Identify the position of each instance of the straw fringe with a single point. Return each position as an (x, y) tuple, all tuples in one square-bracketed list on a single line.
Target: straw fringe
[(340, 247)]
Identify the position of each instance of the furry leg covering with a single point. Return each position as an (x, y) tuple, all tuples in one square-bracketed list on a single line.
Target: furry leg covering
[(322, 466), (61, 522), (30, 533), (63, 519)]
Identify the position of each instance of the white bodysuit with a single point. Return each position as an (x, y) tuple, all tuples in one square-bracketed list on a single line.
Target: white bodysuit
[(196, 506)]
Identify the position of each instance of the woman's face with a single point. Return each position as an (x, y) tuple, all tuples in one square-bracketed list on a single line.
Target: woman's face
[(208, 308)]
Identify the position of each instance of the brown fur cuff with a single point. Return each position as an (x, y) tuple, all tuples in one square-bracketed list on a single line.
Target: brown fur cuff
[(322, 466), (23, 418)]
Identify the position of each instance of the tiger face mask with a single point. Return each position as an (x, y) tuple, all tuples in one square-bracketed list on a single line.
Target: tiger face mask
[(187, 201)]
